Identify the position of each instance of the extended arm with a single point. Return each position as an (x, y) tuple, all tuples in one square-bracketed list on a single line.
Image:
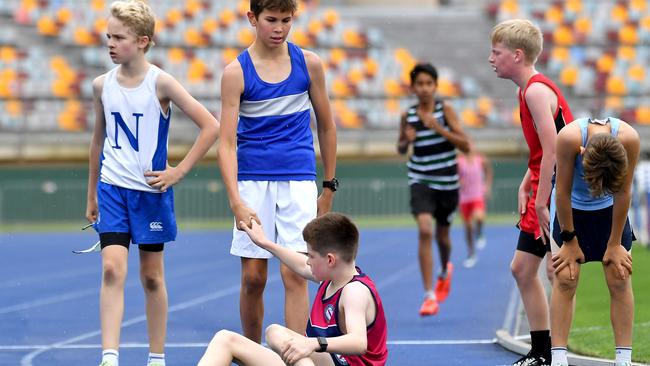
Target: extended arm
[(96, 146)]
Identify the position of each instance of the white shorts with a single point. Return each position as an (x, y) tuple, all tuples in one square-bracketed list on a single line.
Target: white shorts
[(284, 208)]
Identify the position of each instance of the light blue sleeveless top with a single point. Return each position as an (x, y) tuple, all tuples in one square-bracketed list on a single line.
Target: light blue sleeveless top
[(274, 138), (581, 199)]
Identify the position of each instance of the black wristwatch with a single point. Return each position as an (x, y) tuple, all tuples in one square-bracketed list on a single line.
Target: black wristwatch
[(567, 236), (322, 342), (333, 184)]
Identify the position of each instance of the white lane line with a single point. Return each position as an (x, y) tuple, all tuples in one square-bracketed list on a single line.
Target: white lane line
[(413, 342), (95, 290), (27, 359)]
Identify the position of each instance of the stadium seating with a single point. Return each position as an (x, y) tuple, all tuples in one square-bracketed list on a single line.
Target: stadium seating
[(194, 41)]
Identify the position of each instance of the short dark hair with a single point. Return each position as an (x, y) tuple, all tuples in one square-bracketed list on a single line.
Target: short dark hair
[(426, 68), (333, 232), (258, 6), (604, 162)]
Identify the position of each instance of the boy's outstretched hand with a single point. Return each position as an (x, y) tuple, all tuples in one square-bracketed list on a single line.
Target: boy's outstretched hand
[(255, 232)]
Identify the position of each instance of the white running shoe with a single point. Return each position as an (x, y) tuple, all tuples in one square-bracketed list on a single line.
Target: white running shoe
[(470, 262), (481, 242)]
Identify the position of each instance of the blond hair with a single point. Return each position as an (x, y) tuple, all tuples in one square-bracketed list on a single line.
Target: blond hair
[(137, 16), (604, 162), (519, 34)]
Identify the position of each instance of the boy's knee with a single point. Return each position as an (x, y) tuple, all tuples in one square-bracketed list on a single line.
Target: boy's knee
[(253, 282), (520, 271), (425, 233), (113, 273), (274, 334), (151, 281), (565, 283), (223, 338)]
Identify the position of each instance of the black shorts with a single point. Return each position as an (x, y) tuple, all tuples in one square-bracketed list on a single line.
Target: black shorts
[(527, 243), (124, 239), (592, 230), (440, 204)]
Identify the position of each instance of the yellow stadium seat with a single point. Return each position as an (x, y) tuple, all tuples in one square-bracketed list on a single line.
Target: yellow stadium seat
[(569, 75), (626, 53), (353, 39), (210, 25), (175, 55), (195, 38), (174, 16), (350, 119), (510, 7), (613, 102), (242, 7), (83, 37), (355, 76), (64, 15), (484, 105), (619, 13), (245, 36), (644, 23), (574, 6), (640, 6), (29, 5), (337, 56), (554, 15), (14, 107), (560, 54), (637, 73), (228, 55), (616, 85), (340, 88), (301, 38), (403, 56), (193, 6), (226, 17), (330, 18), (393, 88), (392, 106), (5, 90), (516, 116), (72, 117), (314, 27), (563, 36), (100, 25), (47, 26), (605, 63), (446, 88), (196, 71), (61, 88), (470, 117), (371, 66), (8, 54), (583, 25), (628, 35), (642, 114), (158, 27), (98, 5)]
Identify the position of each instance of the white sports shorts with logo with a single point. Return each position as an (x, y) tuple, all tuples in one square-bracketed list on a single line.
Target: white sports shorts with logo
[(283, 207), (148, 217)]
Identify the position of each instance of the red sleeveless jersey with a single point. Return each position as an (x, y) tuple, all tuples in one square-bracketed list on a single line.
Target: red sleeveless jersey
[(561, 117), (324, 322)]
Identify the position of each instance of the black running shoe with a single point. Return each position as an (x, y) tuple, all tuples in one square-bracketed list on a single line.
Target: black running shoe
[(532, 360)]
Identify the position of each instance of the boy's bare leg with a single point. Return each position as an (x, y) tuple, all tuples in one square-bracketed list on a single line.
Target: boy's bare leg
[(469, 237), (227, 347), (277, 335), (524, 268), (621, 306), (425, 253), (152, 276), (111, 294), (251, 301), (562, 301), (444, 244), (296, 300)]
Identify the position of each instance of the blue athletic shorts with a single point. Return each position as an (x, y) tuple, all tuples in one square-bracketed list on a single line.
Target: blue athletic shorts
[(593, 229), (148, 217)]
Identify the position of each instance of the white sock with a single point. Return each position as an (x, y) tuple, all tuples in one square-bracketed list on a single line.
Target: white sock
[(156, 357), (430, 295), (559, 355), (624, 354), (111, 355)]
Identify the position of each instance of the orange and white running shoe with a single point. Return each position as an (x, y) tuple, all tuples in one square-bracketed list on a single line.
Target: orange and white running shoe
[(429, 307), (443, 286)]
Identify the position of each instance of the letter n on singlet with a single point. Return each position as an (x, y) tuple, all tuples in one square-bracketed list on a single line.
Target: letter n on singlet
[(119, 122)]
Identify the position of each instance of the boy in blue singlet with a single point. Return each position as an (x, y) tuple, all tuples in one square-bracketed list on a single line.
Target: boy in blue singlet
[(267, 158), (130, 197), (595, 170)]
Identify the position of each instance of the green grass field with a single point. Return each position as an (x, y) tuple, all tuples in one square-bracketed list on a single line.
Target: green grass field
[(591, 333)]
